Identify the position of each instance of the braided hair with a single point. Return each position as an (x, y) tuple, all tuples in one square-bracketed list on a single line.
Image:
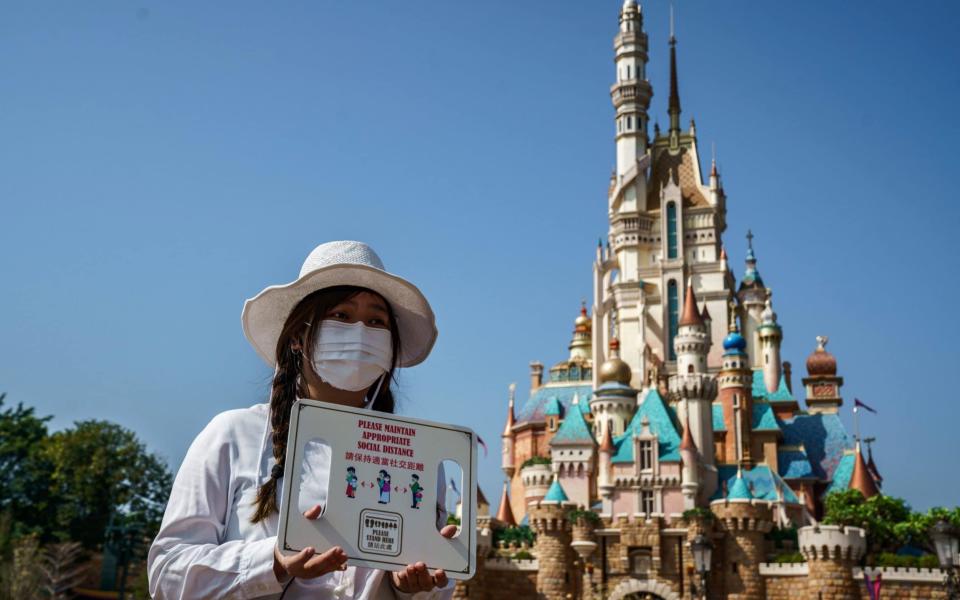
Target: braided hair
[(303, 324)]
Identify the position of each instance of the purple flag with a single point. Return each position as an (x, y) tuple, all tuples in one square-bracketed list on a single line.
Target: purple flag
[(856, 402)]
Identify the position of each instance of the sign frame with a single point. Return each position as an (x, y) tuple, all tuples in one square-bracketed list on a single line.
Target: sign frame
[(440, 553)]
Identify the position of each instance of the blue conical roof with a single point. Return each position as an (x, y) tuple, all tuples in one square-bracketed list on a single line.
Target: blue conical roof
[(555, 493), (573, 430), (739, 490)]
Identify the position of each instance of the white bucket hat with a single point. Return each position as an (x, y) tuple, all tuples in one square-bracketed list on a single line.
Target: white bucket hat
[(342, 263)]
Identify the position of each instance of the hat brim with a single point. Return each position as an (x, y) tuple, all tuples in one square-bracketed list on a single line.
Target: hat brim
[(264, 315)]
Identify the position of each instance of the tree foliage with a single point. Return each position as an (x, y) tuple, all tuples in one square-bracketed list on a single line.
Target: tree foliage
[(69, 484), (889, 521)]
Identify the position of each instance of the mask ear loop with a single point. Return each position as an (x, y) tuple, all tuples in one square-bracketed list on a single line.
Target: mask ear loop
[(369, 403)]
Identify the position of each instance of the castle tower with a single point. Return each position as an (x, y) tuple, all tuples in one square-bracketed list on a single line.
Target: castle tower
[(831, 552), (770, 335), (752, 296), (548, 518), (735, 382), (665, 222), (822, 383), (632, 92), (613, 401), (507, 461), (693, 389), (580, 345), (746, 521)]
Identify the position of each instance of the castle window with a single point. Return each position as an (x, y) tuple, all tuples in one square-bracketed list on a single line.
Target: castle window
[(628, 71), (646, 502), (671, 230), (673, 305), (629, 119), (646, 454), (640, 562)]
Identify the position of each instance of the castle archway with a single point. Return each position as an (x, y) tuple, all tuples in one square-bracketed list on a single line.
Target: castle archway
[(636, 589)]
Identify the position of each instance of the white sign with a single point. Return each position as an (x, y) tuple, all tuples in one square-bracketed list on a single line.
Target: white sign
[(378, 478)]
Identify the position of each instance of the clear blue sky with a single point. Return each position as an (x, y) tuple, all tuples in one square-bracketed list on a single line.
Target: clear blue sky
[(162, 162)]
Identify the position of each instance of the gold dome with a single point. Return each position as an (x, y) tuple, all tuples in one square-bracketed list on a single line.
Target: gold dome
[(614, 369), (583, 321)]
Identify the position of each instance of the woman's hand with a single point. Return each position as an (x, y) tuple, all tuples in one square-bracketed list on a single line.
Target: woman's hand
[(307, 564), (416, 578)]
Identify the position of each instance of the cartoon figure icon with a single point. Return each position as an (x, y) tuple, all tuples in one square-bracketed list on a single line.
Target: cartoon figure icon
[(417, 491), (351, 482), (383, 481)]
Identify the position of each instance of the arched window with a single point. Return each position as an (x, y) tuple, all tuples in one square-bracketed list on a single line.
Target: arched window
[(673, 305), (671, 230)]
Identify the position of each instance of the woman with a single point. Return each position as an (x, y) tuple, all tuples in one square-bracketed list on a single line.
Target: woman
[(335, 334)]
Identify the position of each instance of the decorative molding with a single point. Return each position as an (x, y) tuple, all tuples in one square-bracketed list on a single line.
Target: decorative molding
[(901, 574), (784, 569)]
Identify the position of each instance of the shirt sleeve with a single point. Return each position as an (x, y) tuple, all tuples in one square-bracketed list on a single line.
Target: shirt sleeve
[(187, 559)]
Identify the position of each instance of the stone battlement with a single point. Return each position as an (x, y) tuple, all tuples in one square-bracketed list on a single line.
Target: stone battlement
[(510, 564), (901, 574), (832, 542), (693, 386), (783, 569), (744, 515)]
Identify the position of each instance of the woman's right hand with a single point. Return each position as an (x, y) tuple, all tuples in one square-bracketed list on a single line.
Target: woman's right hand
[(307, 564)]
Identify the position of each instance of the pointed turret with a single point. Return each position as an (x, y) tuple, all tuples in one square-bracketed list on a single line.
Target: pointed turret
[(872, 466), (862, 480), (691, 314), (505, 513), (739, 490), (770, 335)]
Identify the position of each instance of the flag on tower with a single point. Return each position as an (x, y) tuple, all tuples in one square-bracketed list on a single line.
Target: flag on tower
[(856, 403)]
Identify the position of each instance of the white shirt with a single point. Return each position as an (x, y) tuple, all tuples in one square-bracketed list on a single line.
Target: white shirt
[(208, 548)]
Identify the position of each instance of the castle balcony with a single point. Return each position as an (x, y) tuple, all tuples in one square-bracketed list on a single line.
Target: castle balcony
[(631, 90), (631, 42)]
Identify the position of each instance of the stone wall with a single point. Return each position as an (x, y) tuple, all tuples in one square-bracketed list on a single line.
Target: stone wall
[(500, 579)]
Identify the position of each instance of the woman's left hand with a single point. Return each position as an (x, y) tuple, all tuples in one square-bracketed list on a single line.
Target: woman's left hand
[(416, 578)]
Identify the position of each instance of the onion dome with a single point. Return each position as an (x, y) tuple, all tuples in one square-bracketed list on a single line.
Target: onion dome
[(505, 513), (691, 315), (821, 362), (614, 368), (862, 480), (582, 320), (734, 342)]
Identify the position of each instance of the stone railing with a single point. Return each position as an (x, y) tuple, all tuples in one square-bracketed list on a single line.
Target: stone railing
[(509, 564), (783, 569), (901, 574)]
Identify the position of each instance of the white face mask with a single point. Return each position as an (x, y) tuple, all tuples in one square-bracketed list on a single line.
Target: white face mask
[(351, 356)]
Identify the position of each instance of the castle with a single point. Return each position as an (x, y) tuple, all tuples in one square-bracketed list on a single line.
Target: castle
[(674, 415)]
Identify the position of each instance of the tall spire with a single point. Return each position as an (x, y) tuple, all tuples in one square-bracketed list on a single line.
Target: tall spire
[(508, 428), (674, 105)]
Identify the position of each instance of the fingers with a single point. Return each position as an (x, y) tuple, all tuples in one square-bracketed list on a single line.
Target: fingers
[(313, 512), (401, 581), (424, 581), (331, 560), (440, 578), (449, 531)]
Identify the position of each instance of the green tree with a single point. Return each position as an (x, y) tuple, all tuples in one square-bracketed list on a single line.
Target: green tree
[(879, 515), (24, 493), (99, 470)]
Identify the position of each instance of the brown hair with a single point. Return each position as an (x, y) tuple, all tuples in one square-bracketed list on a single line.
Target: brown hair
[(304, 320)]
